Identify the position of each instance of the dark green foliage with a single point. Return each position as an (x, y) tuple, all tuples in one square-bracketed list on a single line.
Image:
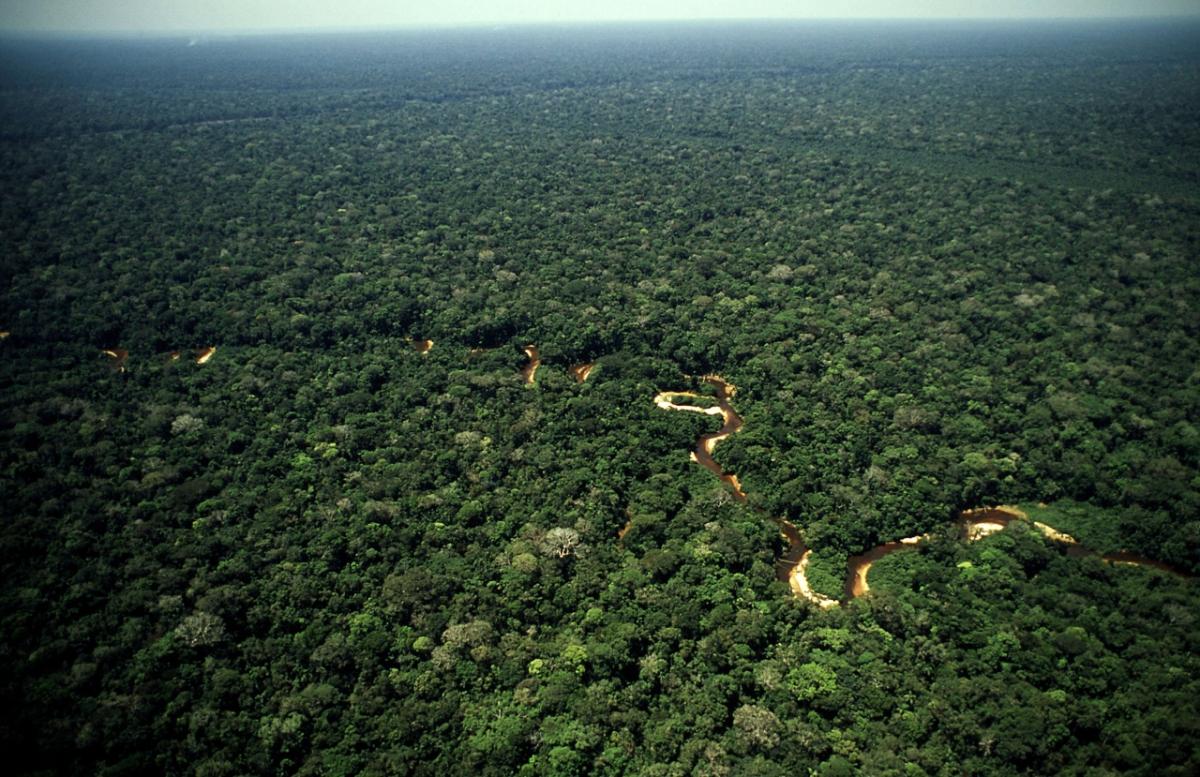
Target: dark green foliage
[(944, 266)]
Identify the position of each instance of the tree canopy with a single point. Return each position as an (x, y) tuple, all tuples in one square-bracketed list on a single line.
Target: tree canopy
[(946, 266)]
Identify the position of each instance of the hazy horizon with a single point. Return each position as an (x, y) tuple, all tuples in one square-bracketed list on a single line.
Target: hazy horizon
[(230, 16)]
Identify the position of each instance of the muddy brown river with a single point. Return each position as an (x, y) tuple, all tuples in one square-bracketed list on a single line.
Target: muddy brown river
[(978, 523), (119, 356), (792, 566), (529, 371)]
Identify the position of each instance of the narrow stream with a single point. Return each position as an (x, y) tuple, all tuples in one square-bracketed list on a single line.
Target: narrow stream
[(581, 371), (703, 455), (858, 566), (119, 356), (529, 371), (978, 523), (792, 566)]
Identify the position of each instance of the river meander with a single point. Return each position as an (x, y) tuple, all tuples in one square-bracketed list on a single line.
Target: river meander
[(529, 371), (792, 566)]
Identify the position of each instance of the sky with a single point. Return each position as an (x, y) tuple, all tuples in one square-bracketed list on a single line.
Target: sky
[(149, 16)]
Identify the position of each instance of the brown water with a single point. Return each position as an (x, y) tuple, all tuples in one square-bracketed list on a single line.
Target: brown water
[(422, 346), (119, 356), (204, 354), (981, 521), (703, 455), (796, 550), (858, 566), (1128, 558), (1125, 557), (1006, 515), (529, 372), (707, 443), (978, 523), (581, 371), (621, 532), (792, 566)]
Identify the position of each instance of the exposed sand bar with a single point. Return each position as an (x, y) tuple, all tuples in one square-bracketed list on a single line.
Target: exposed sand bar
[(581, 371), (799, 583), (529, 373), (858, 566), (792, 567), (119, 357), (666, 401)]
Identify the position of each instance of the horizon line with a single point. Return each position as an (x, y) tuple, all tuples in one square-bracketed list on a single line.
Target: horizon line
[(53, 32)]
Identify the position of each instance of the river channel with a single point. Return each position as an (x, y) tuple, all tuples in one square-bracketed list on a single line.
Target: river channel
[(792, 566)]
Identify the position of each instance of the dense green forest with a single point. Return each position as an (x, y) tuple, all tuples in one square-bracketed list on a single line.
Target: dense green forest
[(945, 265)]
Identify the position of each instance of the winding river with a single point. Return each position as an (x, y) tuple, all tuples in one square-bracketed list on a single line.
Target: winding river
[(732, 423), (792, 566), (529, 371), (581, 371), (119, 356), (858, 566)]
